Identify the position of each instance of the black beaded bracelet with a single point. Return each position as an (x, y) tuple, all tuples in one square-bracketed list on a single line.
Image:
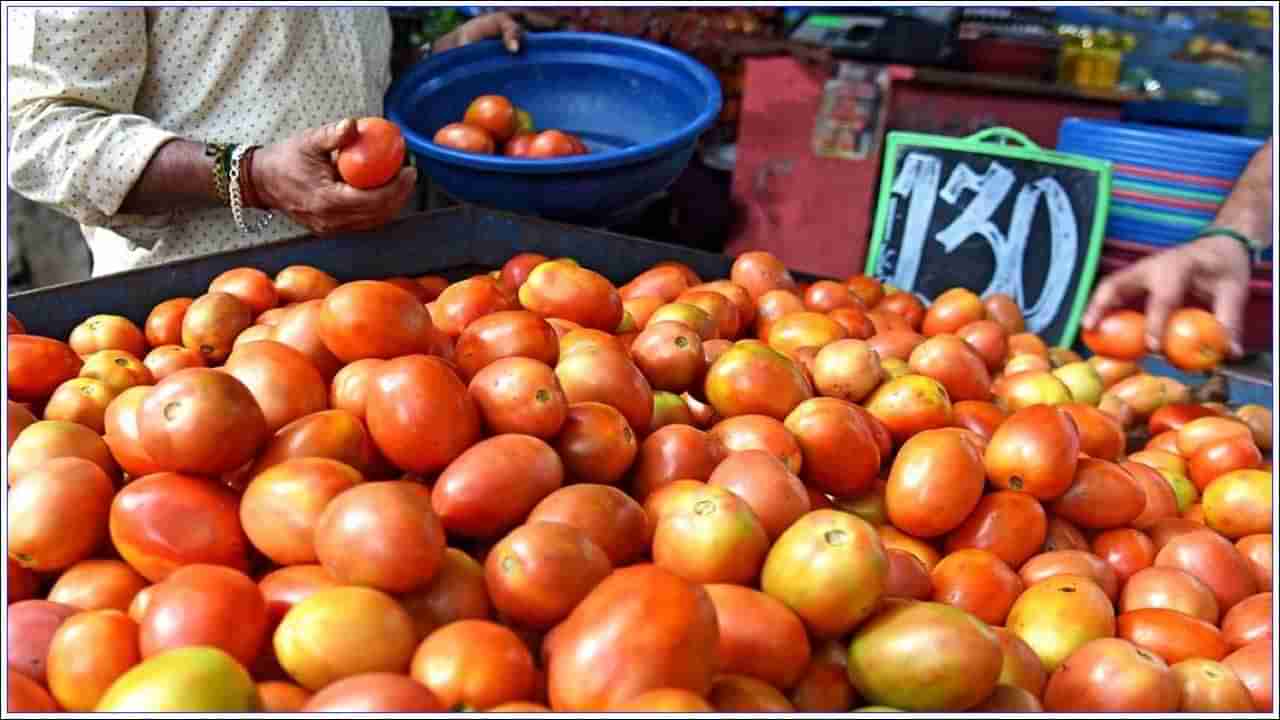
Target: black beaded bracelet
[(1212, 230), (221, 154)]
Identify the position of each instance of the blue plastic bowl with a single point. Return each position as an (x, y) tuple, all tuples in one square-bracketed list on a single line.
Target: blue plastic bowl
[(639, 108)]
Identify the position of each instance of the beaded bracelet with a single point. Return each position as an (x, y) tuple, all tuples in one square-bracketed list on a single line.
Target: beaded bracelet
[(236, 190), (221, 154), (1228, 232)]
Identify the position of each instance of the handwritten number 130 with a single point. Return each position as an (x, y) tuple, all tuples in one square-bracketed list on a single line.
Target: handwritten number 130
[(918, 182)]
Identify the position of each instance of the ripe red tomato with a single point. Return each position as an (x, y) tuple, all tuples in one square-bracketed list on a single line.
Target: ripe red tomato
[(201, 421), (283, 381), (643, 628), (494, 114), (977, 582), (1012, 525), (1035, 451), (300, 283), (1102, 496), (383, 535), (1172, 635), (97, 585), (466, 138), (374, 692), (951, 311), (370, 319), (609, 517), (213, 322), (1213, 560), (164, 521), (87, 654), (38, 365), (1121, 335), (935, 483), (164, 323), (552, 143), (539, 572), (252, 286), (492, 486), (1002, 308), (46, 440), (1220, 457), (375, 157), (30, 626), (475, 664), (1126, 550), (58, 513), (579, 147), (519, 145), (1113, 675), (205, 605), (1194, 340), (1255, 667)]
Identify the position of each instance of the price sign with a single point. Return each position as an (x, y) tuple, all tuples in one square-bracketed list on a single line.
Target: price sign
[(994, 218)]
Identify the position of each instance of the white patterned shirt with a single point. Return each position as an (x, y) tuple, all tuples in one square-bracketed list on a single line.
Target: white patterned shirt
[(93, 93)]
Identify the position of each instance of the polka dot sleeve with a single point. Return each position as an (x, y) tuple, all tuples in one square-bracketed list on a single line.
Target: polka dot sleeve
[(76, 143)]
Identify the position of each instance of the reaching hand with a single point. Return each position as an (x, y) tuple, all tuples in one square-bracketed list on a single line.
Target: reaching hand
[(489, 25), (1215, 269), (297, 176)]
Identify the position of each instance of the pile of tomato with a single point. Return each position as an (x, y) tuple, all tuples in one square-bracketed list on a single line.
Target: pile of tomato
[(534, 489), (493, 124)]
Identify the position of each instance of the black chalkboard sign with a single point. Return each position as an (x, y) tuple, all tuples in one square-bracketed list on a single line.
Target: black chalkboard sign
[(981, 213)]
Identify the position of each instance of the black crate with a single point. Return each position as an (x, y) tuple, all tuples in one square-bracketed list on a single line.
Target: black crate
[(455, 242)]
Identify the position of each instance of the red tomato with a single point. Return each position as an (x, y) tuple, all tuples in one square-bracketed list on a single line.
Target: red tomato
[(205, 605), (550, 144), (1121, 335), (1194, 340), (519, 145), (494, 114), (162, 522), (1172, 635), (376, 155), (475, 664), (978, 582), (466, 138), (38, 365), (1012, 525), (383, 535)]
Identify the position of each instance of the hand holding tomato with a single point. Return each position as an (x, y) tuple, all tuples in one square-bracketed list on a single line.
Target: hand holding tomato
[(1215, 267), (298, 176)]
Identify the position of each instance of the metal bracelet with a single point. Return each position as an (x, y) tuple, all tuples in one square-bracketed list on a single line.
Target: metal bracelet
[(237, 197), (219, 152)]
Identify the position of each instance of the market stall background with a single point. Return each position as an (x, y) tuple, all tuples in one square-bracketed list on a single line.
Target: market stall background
[(758, 182)]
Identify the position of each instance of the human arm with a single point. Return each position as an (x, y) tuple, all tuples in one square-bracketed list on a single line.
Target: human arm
[(79, 146), (489, 25), (1215, 267)]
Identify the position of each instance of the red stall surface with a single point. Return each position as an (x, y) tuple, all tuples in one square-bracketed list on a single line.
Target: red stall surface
[(816, 213)]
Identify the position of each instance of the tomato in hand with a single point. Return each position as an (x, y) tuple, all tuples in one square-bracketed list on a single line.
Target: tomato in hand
[(376, 155)]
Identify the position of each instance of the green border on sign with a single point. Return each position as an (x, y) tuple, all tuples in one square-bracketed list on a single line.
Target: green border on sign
[(981, 143)]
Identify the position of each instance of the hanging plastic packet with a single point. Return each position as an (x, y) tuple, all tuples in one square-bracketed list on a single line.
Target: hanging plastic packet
[(849, 119)]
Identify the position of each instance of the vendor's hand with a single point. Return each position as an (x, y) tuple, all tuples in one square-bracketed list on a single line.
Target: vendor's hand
[(1214, 268), (298, 177), (489, 25)]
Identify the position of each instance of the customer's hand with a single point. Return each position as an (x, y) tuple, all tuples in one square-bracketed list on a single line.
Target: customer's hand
[(489, 25), (297, 176), (1215, 269)]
